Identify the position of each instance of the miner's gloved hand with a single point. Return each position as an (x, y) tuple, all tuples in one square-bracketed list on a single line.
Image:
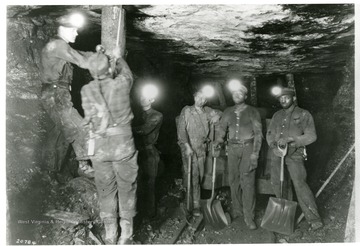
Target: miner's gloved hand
[(115, 53), (100, 49), (277, 152), (253, 161), (215, 152), (282, 142), (188, 151), (216, 144), (214, 118)]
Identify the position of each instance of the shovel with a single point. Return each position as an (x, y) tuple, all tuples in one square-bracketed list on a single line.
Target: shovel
[(280, 213), (212, 210)]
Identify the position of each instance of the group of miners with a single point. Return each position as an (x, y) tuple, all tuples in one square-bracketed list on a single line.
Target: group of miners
[(105, 135), (240, 127)]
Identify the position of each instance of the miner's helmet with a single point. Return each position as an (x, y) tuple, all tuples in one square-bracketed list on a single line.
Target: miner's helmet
[(99, 66), (73, 19), (286, 91), (237, 86)]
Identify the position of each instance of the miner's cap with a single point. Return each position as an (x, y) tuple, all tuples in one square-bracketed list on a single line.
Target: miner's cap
[(286, 91), (98, 65)]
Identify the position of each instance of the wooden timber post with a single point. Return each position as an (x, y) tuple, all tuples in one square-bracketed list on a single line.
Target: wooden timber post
[(253, 91), (290, 81), (291, 84), (113, 30), (219, 91)]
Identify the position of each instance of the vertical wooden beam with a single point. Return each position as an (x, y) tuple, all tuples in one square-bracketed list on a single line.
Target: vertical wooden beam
[(219, 91), (291, 84), (113, 30), (290, 81), (253, 91)]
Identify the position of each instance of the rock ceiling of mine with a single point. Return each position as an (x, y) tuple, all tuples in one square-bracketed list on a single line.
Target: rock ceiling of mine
[(215, 40)]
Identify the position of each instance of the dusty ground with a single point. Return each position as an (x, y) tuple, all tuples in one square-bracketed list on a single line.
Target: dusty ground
[(79, 197)]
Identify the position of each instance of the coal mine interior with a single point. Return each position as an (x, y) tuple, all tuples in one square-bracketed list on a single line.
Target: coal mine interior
[(309, 48)]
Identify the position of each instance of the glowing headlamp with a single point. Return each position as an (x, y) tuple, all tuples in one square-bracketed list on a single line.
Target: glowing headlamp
[(276, 90), (208, 91), (77, 20), (234, 85), (150, 91)]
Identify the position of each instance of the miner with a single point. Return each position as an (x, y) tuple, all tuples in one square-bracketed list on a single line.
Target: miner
[(243, 124), (194, 132), (149, 157), (56, 75), (106, 103), (295, 127)]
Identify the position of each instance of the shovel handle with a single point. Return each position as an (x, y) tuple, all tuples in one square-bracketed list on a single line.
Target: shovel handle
[(328, 179), (188, 183), (284, 152), (213, 178)]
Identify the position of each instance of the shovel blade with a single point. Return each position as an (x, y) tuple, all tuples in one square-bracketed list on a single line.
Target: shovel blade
[(214, 215), (279, 216)]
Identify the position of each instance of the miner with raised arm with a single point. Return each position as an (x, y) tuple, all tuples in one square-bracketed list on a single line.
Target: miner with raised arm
[(56, 75), (106, 102)]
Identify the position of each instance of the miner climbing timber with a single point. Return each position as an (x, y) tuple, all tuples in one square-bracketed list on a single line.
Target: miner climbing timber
[(106, 103), (57, 75)]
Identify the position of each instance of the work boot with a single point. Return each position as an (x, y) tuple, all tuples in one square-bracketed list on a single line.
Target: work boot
[(234, 214), (250, 224), (126, 241), (126, 225), (111, 230), (316, 225)]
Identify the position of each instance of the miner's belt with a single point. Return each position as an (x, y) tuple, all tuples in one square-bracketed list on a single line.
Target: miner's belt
[(60, 85), (240, 143), (117, 130)]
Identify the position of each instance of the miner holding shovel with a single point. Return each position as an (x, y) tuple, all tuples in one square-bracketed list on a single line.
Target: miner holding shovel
[(294, 127)]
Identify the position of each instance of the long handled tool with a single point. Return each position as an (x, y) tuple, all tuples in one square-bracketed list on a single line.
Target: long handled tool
[(188, 185), (213, 212), (328, 179), (280, 213)]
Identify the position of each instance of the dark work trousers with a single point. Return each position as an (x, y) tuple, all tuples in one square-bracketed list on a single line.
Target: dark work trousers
[(149, 159), (197, 175), (294, 162), (116, 170), (67, 124), (242, 182)]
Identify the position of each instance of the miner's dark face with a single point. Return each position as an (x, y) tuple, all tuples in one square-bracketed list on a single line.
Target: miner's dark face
[(239, 97), (146, 102), (199, 99), (286, 101)]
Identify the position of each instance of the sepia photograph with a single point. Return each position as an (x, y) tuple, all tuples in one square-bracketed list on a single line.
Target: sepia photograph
[(185, 123)]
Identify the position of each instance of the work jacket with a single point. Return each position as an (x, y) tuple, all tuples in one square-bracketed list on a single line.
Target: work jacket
[(149, 131), (56, 59), (294, 122)]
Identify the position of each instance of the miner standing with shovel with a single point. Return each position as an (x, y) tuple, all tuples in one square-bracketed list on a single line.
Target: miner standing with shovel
[(295, 127), (243, 124)]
